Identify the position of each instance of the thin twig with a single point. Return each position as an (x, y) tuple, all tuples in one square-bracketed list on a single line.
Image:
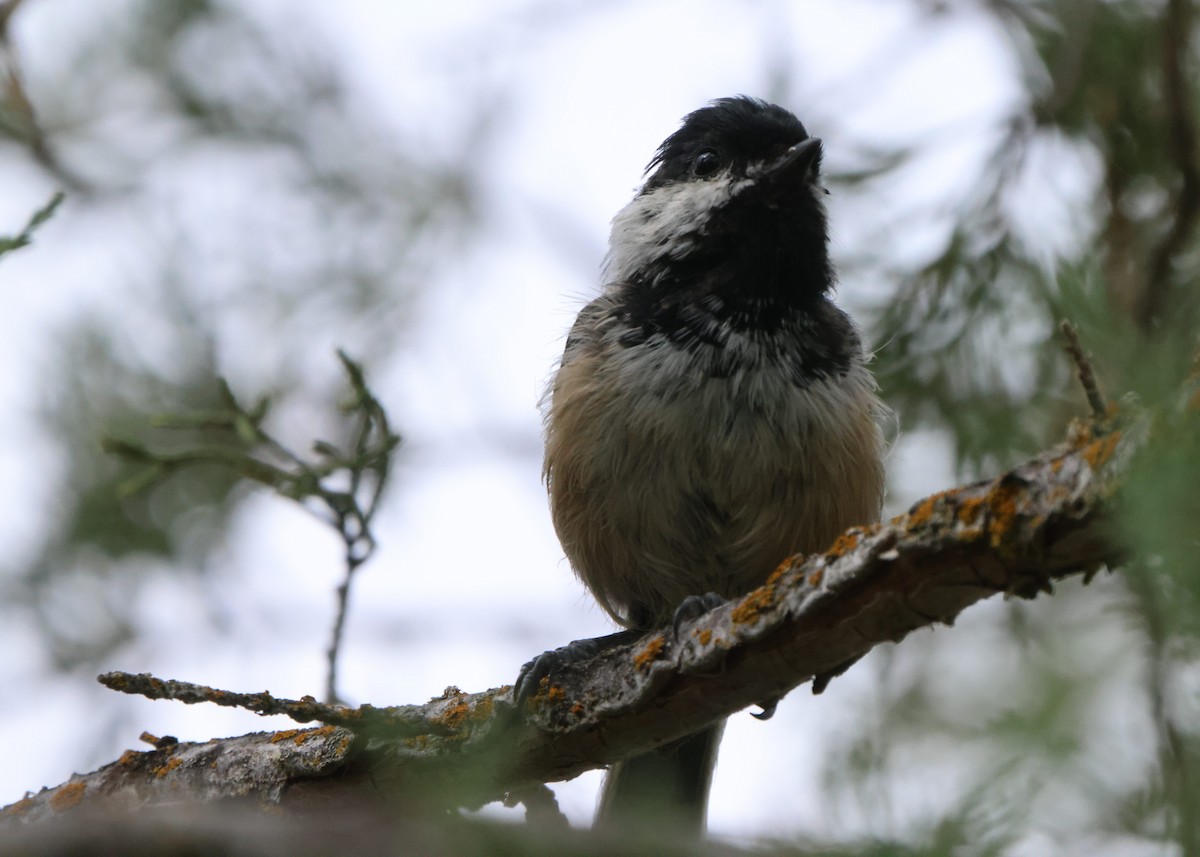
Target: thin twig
[(1087, 377), (333, 652), (25, 237), (253, 453), (372, 448), (397, 722)]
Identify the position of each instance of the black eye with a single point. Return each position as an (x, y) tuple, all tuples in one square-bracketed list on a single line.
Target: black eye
[(706, 163)]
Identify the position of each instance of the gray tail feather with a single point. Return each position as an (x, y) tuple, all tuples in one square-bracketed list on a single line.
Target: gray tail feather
[(666, 788)]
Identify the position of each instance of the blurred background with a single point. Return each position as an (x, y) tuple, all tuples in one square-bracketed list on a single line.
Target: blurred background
[(251, 185)]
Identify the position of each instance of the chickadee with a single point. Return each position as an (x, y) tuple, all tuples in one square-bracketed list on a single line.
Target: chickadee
[(713, 413)]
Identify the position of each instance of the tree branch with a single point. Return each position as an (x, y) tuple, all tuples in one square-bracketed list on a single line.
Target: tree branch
[(397, 721), (17, 117), (1177, 90), (1042, 521)]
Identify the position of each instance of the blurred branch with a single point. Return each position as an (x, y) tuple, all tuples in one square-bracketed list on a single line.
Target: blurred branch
[(1069, 63), (17, 116), (6, 13), (1177, 36), (371, 829), (255, 454), (25, 237), (1040, 522)]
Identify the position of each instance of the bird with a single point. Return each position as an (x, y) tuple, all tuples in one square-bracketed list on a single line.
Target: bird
[(713, 412)]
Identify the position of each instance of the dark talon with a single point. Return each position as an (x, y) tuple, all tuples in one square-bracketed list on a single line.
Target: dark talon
[(820, 682), (768, 709), (530, 677), (695, 606)]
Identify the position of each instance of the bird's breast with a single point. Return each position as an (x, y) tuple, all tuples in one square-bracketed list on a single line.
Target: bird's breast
[(668, 478)]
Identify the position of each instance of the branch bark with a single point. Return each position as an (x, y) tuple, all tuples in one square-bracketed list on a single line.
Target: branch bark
[(1043, 521)]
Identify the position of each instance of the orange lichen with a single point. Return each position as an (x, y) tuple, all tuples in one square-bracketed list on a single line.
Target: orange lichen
[(171, 765), (845, 543), (577, 709), (319, 732), (483, 709), (1003, 511), (704, 635), (129, 757), (815, 577), (923, 511), (285, 735), (1079, 433), (783, 569), (455, 715), (543, 688), (68, 795), (752, 605), (19, 808), (555, 693), (970, 509), (650, 653), (1098, 452)]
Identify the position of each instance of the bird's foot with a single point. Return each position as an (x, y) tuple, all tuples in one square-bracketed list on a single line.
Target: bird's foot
[(529, 679), (693, 607)]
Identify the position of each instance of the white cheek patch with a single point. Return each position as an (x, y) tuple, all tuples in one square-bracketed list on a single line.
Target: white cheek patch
[(664, 223)]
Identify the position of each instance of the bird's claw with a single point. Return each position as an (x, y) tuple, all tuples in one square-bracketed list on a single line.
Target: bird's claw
[(529, 679), (693, 607), (768, 709)]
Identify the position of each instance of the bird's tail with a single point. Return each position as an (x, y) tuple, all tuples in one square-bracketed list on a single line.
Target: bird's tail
[(665, 789)]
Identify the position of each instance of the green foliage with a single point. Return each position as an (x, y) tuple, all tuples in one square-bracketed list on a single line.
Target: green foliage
[(25, 237), (234, 437), (106, 538), (1080, 713), (340, 229), (970, 335)]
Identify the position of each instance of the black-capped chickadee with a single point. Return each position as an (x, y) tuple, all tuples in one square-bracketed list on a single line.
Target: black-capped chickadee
[(713, 413)]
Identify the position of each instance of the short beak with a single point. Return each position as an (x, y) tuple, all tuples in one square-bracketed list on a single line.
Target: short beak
[(800, 163)]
